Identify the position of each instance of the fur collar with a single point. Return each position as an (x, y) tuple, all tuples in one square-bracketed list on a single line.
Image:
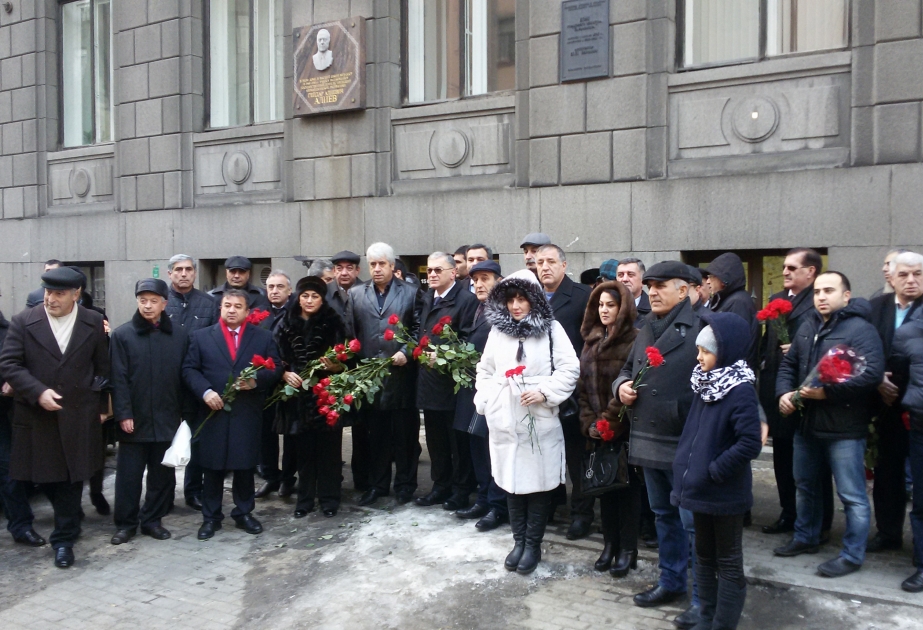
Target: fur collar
[(537, 323), (145, 327)]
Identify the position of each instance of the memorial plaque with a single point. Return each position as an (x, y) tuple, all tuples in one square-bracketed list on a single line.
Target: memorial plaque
[(329, 67), (584, 39)]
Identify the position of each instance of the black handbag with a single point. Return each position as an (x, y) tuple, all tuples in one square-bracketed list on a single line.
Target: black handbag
[(605, 468)]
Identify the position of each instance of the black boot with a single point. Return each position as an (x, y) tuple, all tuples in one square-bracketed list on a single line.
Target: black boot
[(731, 598), (516, 505), (536, 519), (706, 581), (628, 559), (605, 558)]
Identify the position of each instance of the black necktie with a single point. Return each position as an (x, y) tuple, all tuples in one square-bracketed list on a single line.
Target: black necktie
[(436, 301)]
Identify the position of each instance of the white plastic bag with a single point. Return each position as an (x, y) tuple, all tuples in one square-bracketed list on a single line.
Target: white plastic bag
[(180, 450)]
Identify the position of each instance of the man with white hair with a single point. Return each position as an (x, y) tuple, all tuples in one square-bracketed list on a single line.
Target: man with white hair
[(889, 312)]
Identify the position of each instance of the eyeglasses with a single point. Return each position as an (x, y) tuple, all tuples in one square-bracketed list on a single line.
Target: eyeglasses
[(792, 268), (435, 270)]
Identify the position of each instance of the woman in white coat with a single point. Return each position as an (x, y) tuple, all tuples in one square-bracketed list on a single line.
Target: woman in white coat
[(527, 369)]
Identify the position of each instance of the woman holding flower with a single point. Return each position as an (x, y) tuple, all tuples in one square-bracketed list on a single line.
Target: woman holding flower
[(608, 331), (521, 407), (308, 329)]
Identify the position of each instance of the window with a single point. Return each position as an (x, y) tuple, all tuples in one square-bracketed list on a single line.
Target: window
[(722, 31), (246, 69), (459, 48), (86, 72), (95, 273)]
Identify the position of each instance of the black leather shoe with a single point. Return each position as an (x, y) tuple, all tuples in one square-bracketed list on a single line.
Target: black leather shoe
[(286, 489), (248, 524), (657, 596), (433, 498), (208, 529), (914, 584), (882, 543), (475, 511), (795, 548), (626, 560), (302, 512), (371, 496), (330, 512), (580, 528), (404, 497), (838, 567), (195, 502), (455, 502), (100, 503), (63, 557), (781, 526), (157, 532), (266, 489), (605, 558), (688, 618), (122, 536), (30, 538), (492, 520)]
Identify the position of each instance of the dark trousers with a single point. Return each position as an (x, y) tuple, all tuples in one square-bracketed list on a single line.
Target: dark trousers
[(65, 499), (916, 513), (269, 452), (132, 459), (719, 545), (319, 454), (14, 495), (581, 506), (489, 493), (449, 453), (888, 493), (361, 459), (620, 511), (192, 480), (396, 436), (783, 463), (242, 492)]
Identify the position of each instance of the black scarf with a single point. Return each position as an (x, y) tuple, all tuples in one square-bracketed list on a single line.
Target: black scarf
[(660, 325)]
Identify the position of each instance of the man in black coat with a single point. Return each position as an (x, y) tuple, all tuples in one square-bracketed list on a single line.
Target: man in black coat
[(229, 440), (237, 272), (568, 300), (490, 506), (799, 269), (449, 451), (834, 420), (38, 296), (346, 268), (727, 282), (190, 309), (630, 272), (889, 312), (393, 421), (149, 401)]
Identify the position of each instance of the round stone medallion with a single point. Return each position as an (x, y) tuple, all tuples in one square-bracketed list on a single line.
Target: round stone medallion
[(755, 119), (452, 148), (237, 167), (81, 182)]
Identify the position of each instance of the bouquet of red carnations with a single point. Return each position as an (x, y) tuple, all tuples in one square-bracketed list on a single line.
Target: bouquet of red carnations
[(838, 365), (776, 314), (606, 434), (340, 353), (450, 355), (654, 359)]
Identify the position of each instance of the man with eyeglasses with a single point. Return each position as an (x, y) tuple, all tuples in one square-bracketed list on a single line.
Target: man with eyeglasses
[(449, 451), (799, 269)]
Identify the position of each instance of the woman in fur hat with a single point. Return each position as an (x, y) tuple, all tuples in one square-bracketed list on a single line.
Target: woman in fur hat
[(527, 369), (308, 329)]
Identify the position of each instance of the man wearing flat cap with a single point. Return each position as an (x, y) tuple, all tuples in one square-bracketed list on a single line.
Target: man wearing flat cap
[(346, 270), (657, 412), (52, 356), (530, 245), (237, 272), (149, 401)]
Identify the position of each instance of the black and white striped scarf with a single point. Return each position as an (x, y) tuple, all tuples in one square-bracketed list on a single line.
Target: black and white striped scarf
[(715, 384)]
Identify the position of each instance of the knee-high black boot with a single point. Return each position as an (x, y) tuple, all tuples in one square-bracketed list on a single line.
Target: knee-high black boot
[(731, 598), (536, 518), (516, 505), (706, 578)]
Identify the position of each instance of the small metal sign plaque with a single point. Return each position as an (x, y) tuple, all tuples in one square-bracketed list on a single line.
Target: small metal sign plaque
[(329, 67), (584, 39)]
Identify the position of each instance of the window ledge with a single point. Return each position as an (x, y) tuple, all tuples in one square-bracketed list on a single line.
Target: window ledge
[(459, 108), (76, 153), (800, 65), (274, 128)]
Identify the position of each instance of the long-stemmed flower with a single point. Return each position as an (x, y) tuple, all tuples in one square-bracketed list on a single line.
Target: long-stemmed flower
[(533, 436), (233, 386), (449, 354), (654, 359), (776, 314), (339, 353)]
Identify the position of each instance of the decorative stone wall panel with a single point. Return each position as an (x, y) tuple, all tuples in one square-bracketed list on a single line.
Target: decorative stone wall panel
[(245, 167), (79, 182)]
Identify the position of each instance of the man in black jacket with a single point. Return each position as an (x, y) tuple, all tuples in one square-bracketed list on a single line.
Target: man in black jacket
[(38, 296), (630, 272), (237, 272), (834, 419), (149, 401), (189, 309), (449, 451), (346, 268), (568, 301), (799, 269), (889, 312), (727, 282)]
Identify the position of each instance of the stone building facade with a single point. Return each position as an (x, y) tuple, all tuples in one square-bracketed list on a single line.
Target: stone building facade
[(708, 134)]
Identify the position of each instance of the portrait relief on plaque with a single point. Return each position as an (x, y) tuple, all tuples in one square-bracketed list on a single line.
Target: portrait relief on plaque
[(329, 67)]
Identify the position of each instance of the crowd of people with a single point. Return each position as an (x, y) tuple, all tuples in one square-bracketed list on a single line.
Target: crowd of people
[(679, 384)]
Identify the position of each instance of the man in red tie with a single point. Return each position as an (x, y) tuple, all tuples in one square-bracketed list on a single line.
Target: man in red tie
[(230, 439)]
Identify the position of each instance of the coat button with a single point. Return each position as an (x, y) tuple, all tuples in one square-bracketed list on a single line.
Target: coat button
[(653, 392)]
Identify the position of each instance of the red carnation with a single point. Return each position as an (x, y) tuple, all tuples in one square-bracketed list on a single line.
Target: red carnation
[(339, 348), (653, 356), (332, 418), (389, 335), (355, 346), (325, 382), (516, 371), (438, 328), (424, 341), (342, 356), (417, 352), (602, 426), (256, 316), (394, 319), (445, 321), (258, 361), (608, 436), (834, 370), (317, 389), (323, 410), (269, 364), (331, 399), (764, 314), (348, 399), (780, 306)]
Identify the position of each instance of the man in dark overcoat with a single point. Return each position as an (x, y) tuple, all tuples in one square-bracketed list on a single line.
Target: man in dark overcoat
[(230, 439), (393, 421), (449, 451), (237, 270), (149, 400), (51, 357)]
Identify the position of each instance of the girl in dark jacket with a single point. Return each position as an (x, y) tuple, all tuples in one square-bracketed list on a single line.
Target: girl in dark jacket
[(608, 331), (711, 471), (308, 329)]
